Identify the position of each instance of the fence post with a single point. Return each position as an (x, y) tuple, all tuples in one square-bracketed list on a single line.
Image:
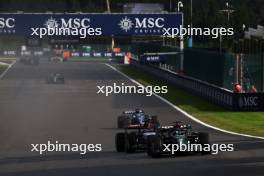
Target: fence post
[(237, 69), (182, 54), (262, 66), (241, 71)]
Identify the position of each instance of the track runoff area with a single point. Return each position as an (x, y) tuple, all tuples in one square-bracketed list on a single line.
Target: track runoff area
[(59, 120)]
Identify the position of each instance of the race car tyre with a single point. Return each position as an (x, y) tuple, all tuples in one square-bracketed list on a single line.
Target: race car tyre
[(154, 147), (156, 122), (120, 122), (120, 142), (203, 138), (155, 119), (126, 122), (192, 138), (130, 142)]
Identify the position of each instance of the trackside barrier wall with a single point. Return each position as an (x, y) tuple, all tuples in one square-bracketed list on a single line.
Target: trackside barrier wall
[(209, 65), (215, 94), (200, 64)]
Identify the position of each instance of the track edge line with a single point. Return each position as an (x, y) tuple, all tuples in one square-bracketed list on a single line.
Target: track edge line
[(6, 70), (184, 112)]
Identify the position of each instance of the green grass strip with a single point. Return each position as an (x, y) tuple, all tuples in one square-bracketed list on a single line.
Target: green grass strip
[(251, 123), (3, 68)]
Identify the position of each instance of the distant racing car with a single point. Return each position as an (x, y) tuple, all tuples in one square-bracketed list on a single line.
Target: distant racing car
[(30, 57), (56, 78), (57, 56), (136, 119)]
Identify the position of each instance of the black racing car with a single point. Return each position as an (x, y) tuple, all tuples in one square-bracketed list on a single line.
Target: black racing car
[(177, 134), (55, 79), (132, 141)]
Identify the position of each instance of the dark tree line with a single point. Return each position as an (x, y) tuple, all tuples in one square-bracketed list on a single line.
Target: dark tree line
[(250, 11)]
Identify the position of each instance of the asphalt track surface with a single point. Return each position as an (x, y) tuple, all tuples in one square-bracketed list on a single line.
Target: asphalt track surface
[(32, 111)]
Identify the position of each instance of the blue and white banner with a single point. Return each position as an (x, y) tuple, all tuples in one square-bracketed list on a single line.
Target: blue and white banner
[(85, 25), (156, 57), (97, 54)]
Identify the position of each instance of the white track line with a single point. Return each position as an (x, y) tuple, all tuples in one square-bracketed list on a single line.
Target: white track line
[(6, 70), (3, 63), (185, 113)]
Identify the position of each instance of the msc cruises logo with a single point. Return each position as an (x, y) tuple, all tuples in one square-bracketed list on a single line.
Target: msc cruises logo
[(142, 25), (248, 101), (67, 23), (7, 25), (51, 23), (126, 24)]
